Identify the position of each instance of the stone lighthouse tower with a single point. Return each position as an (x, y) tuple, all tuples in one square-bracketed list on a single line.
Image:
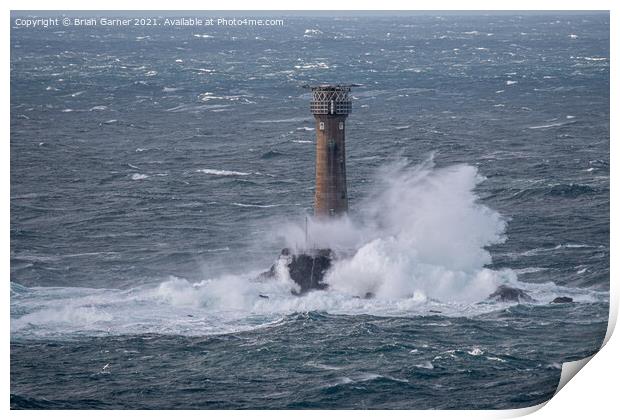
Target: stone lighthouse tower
[(330, 105)]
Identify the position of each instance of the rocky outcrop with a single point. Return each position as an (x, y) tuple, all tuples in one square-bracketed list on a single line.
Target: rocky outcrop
[(307, 269), (562, 299), (506, 293)]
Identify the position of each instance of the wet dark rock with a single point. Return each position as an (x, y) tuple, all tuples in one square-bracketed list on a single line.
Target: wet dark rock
[(510, 294), (263, 296), (271, 154), (368, 295), (307, 269), (562, 299), (433, 311)]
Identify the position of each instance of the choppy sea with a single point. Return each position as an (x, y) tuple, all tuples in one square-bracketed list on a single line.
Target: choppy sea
[(156, 171)]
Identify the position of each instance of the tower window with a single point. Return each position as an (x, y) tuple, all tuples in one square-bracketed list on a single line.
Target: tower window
[(321, 125), (341, 125)]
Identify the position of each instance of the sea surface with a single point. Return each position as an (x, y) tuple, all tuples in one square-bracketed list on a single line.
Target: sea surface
[(156, 171)]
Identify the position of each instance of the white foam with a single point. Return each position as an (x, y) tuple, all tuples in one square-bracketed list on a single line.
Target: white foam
[(572, 246), (529, 270), (208, 96), (138, 177), (318, 65), (225, 304), (419, 244), (222, 172), (322, 366), (262, 206), (559, 124), (422, 236), (223, 249), (425, 365), (476, 351)]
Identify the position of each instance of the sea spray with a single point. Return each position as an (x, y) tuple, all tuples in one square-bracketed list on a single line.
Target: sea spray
[(416, 241), (420, 231)]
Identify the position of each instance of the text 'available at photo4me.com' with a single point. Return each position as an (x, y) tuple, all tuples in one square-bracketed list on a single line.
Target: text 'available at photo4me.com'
[(57, 22)]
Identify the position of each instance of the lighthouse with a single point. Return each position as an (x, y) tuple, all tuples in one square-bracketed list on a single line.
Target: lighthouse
[(330, 105)]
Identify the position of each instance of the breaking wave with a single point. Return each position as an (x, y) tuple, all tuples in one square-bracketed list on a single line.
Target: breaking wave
[(421, 232), (222, 172), (227, 304), (418, 243)]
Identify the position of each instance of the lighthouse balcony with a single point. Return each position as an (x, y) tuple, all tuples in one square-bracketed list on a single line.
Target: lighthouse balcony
[(330, 107), (330, 100)]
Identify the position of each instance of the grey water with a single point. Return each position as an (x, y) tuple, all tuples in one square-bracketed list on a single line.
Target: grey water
[(155, 171)]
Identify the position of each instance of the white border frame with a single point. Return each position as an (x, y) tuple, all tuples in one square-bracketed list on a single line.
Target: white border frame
[(592, 394)]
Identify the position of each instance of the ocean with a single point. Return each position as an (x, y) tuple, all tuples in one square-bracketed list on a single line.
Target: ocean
[(157, 171)]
